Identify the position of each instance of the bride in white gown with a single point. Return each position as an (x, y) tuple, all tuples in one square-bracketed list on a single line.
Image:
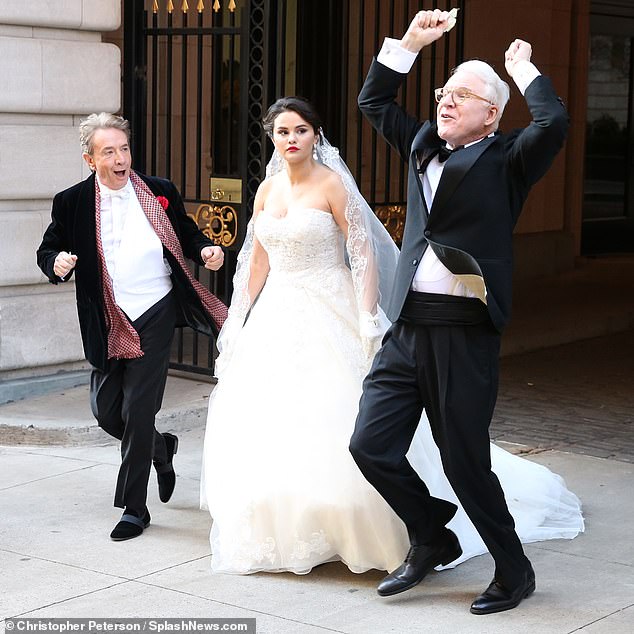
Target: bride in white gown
[(278, 479)]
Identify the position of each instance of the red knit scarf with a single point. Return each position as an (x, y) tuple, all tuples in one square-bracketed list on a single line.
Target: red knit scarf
[(123, 339)]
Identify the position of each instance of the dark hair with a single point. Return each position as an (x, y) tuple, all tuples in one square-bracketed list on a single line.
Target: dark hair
[(301, 106)]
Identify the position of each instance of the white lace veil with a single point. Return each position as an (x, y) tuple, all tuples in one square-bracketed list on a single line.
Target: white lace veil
[(371, 257)]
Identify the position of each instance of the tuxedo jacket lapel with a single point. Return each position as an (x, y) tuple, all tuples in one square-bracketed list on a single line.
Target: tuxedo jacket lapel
[(424, 145), (418, 159)]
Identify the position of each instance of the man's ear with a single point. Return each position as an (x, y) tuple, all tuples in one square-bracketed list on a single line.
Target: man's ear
[(491, 115), (89, 161)]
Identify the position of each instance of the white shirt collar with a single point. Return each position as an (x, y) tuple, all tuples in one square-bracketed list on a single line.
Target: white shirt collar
[(124, 192), (473, 142)]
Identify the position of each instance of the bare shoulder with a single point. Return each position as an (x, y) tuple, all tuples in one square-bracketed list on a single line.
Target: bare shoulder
[(334, 191), (332, 182), (265, 187), (261, 195)]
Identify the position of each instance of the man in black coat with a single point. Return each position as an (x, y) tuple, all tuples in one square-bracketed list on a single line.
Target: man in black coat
[(126, 236), (451, 300)]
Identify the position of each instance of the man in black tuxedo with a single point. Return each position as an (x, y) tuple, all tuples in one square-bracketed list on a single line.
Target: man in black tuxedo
[(125, 236), (451, 300)]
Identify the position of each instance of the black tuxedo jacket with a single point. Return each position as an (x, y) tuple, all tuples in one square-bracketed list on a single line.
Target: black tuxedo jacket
[(479, 196), (73, 229)]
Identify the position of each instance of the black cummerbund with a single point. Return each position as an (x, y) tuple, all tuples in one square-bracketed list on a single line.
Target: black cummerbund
[(432, 309)]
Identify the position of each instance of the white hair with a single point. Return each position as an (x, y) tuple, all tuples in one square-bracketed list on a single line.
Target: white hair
[(94, 122), (497, 90)]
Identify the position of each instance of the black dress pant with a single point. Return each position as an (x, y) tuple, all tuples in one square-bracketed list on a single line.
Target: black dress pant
[(450, 371), (126, 398)]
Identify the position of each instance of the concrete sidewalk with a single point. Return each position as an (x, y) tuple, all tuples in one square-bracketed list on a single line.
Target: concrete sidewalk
[(57, 560), (64, 417)]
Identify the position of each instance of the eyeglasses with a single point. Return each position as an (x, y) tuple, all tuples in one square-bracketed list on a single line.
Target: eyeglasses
[(458, 95)]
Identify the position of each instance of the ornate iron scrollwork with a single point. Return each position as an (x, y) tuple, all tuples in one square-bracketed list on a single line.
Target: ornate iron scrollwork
[(258, 54), (393, 219), (218, 222)]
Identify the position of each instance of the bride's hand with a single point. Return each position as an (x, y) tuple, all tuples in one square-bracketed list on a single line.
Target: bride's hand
[(369, 325)]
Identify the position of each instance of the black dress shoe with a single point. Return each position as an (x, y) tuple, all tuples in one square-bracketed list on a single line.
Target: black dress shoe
[(130, 525), (497, 598), (419, 561), (165, 472)]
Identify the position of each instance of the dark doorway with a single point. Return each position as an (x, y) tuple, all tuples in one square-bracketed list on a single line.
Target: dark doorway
[(608, 211)]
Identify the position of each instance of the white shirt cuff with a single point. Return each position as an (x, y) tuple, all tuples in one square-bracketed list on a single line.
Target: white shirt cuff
[(394, 56), (524, 73)]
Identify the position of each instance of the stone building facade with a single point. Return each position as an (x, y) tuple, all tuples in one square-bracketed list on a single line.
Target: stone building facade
[(54, 69)]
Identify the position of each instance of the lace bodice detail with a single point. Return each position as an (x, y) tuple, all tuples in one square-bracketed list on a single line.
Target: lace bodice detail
[(305, 241)]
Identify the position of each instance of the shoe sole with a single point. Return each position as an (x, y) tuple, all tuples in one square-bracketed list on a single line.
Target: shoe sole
[(168, 435), (166, 499), (125, 539), (526, 594), (175, 438), (444, 562)]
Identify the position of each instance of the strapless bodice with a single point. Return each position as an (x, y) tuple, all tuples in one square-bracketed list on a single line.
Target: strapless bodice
[(304, 240)]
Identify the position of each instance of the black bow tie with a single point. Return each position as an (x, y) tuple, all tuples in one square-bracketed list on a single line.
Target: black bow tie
[(444, 152)]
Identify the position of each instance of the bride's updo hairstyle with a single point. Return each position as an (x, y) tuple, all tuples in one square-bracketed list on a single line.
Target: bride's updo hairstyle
[(301, 106)]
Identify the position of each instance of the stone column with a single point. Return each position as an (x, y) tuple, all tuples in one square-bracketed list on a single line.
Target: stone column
[(54, 69)]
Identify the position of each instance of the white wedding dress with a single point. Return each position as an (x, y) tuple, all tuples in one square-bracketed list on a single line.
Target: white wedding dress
[(278, 479)]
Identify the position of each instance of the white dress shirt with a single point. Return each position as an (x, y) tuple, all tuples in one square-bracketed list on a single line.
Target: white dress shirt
[(432, 276), (133, 252)]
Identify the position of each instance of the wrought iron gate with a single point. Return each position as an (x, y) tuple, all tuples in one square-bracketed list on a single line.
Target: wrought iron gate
[(194, 93)]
